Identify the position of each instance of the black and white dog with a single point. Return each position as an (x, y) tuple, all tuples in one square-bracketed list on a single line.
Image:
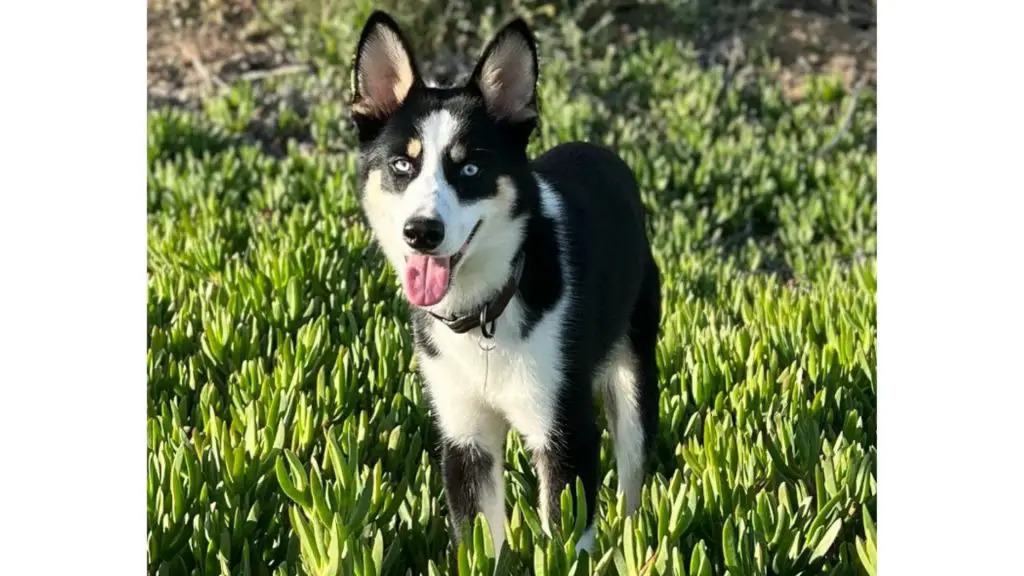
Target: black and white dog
[(531, 282)]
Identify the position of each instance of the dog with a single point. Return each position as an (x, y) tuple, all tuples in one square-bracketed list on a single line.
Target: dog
[(531, 283)]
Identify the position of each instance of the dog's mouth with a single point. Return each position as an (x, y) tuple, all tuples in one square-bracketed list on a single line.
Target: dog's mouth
[(427, 278)]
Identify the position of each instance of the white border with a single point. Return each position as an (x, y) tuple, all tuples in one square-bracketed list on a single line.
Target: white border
[(949, 308), (73, 287)]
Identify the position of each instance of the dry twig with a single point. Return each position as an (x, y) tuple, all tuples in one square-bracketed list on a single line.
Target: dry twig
[(190, 52), (285, 70)]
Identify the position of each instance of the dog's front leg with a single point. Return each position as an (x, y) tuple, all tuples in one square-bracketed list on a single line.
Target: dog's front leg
[(473, 484), (472, 461), (570, 451)]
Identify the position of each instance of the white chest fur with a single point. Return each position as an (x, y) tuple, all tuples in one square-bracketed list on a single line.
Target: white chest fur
[(479, 386), (474, 380)]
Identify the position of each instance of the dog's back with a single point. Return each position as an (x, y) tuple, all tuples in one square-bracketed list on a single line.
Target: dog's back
[(608, 247)]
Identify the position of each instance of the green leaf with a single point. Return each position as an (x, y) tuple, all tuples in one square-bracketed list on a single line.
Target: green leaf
[(629, 542), (316, 490), (729, 546), (306, 539), (540, 566), (700, 564), (334, 551), (826, 540), (869, 525), (284, 480), (177, 492), (378, 552), (866, 556), (581, 510), (293, 298), (865, 547), (298, 472), (620, 562)]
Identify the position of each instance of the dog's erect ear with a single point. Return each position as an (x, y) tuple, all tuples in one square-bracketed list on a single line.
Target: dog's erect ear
[(383, 71), (507, 73)]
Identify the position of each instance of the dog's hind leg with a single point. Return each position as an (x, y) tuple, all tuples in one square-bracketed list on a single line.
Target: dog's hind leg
[(630, 392)]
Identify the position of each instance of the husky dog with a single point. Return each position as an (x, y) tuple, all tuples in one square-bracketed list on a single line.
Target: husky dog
[(531, 282)]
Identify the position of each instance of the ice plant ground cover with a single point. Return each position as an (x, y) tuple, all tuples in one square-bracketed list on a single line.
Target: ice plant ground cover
[(287, 432)]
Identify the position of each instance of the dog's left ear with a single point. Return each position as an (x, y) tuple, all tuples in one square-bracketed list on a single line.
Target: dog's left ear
[(506, 74)]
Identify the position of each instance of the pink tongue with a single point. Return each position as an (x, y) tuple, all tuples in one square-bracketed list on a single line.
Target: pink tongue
[(426, 279)]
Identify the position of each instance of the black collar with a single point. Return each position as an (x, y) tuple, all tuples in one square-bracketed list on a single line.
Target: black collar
[(486, 315)]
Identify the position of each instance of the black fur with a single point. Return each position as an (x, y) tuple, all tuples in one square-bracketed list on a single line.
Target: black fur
[(643, 335), (466, 472), (490, 145), (616, 284)]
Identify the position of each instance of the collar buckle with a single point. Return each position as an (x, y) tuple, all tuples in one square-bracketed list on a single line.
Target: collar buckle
[(485, 330)]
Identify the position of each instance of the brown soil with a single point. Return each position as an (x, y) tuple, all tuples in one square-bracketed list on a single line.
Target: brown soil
[(805, 42), (191, 52), (193, 48)]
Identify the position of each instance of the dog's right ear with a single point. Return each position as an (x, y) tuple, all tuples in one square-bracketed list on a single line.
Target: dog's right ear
[(383, 70)]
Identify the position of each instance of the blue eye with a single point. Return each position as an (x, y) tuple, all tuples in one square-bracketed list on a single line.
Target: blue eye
[(469, 170), (401, 166)]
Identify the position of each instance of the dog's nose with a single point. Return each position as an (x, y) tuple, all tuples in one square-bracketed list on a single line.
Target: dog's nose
[(423, 234)]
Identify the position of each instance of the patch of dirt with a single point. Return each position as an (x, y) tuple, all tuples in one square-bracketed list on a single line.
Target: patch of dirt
[(809, 42), (802, 36), (193, 49), (196, 46)]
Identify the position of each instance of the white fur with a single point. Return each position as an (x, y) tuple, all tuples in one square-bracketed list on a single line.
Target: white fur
[(430, 194), (586, 541), (618, 385)]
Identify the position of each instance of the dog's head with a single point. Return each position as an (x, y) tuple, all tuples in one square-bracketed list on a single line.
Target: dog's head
[(440, 167)]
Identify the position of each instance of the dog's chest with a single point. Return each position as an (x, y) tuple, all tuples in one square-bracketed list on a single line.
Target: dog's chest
[(517, 378)]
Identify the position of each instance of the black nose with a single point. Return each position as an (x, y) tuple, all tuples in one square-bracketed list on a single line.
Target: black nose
[(423, 234)]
